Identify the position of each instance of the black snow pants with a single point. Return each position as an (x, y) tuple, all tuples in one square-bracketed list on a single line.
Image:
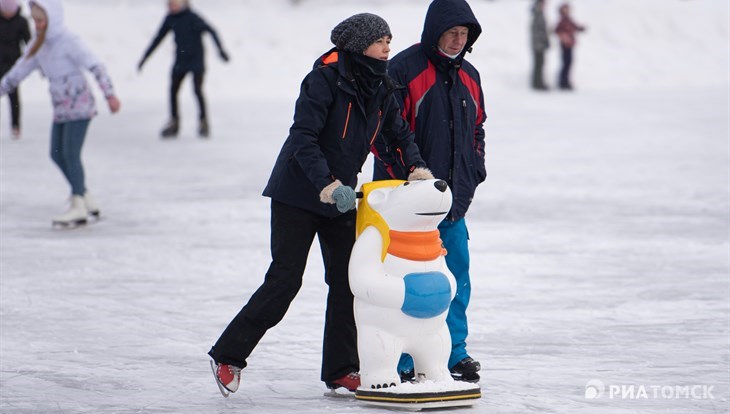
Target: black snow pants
[(292, 234), (175, 83)]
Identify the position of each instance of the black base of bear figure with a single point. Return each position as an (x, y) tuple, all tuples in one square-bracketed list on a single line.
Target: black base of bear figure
[(417, 396)]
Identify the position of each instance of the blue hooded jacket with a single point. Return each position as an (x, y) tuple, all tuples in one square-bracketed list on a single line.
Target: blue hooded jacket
[(444, 104), (332, 134)]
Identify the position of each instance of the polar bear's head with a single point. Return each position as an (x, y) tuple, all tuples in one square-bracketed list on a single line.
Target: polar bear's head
[(409, 206)]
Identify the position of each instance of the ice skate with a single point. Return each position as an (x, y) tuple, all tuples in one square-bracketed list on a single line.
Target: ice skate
[(75, 216), (227, 377), (407, 376), (466, 370), (171, 128), (203, 129), (16, 132), (350, 382), (343, 387), (92, 208)]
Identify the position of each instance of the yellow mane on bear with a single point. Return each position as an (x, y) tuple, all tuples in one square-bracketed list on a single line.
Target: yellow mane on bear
[(367, 216)]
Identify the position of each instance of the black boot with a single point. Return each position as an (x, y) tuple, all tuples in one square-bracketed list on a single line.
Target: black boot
[(203, 130), (171, 128), (466, 370)]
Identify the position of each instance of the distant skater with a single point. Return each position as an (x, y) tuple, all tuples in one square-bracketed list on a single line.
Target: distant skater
[(565, 30), (540, 41), (61, 56), (14, 32), (189, 58)]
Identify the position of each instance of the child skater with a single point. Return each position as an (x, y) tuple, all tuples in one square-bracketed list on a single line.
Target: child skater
[(61, 56), (189, 57)]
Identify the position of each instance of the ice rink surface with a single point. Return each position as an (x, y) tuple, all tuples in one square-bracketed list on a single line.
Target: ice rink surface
[(599, 241)]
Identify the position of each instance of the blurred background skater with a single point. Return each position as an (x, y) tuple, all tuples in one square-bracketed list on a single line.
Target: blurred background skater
[(61, 55), (540, 43), (565, 30), (14, 32), (188, 28)]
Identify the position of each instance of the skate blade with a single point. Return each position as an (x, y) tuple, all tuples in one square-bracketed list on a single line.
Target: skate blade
[(344, 393), (459, 377), (69, 224), (224, 392)]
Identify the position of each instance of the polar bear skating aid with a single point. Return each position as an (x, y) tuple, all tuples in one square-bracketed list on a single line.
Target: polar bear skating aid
[(402, 290)]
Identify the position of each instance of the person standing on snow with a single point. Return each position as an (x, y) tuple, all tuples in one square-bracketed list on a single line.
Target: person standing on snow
[(344, 103), (13, 33), (565, 30), (540, 42), (61, 56), (442, 101), (189, 57)]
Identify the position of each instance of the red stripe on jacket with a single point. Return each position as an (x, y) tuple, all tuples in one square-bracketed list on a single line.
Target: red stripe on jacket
[(417, 89)]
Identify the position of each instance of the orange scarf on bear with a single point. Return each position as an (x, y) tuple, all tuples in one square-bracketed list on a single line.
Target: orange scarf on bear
[(419, 246)]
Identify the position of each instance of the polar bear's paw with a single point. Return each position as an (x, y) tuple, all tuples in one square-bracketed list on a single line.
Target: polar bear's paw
[(428, 294)]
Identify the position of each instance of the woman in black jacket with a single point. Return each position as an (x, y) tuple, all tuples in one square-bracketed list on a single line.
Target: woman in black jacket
[(189, 57), (344, 103), (13, 33)]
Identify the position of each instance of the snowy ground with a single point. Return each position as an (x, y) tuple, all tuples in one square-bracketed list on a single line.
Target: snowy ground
[(599, 241)]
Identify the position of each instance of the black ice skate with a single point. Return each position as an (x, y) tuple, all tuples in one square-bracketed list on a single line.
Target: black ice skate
[(171, 128), (466, 370), (203, 129)]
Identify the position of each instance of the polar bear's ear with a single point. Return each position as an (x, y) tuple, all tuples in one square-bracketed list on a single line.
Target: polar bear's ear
[(377, 197)]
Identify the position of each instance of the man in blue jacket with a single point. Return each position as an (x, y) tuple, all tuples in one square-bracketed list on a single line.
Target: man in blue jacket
[(443, 103)]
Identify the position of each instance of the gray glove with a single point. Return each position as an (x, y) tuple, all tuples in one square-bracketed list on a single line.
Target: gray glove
[(344, 197)]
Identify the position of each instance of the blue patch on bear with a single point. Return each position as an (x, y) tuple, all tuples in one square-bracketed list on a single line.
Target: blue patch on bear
[(428, 294)]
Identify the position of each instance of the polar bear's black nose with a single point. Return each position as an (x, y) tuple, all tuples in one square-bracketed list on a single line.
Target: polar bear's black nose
[(441, 185)]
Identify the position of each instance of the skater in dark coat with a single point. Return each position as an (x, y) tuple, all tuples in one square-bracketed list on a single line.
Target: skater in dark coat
[(444, 104), (540, 42), (189, 57), (14, 33), (344, 103)]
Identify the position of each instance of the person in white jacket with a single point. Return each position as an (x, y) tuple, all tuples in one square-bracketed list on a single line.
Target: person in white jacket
[(61, 56)]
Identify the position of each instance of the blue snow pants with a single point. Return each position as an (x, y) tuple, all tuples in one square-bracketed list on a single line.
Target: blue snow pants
[(455, 238), (67, 138)]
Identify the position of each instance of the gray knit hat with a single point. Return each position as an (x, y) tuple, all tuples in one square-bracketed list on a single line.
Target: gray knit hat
[(357, 33)]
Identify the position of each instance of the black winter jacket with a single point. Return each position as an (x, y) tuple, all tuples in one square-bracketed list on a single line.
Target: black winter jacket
[(444, 104), (188, 28), (332, 133), (13, 32)]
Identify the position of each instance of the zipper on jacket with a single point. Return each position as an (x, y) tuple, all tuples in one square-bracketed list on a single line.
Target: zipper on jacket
[(380, 114), (347, 120)]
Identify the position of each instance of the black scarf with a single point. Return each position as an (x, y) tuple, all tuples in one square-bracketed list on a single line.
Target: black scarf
[(369, 74)]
